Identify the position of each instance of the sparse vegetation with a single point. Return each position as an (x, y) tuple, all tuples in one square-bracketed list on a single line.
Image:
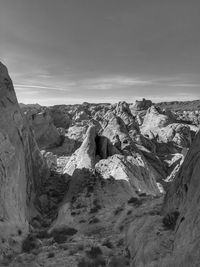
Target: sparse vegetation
[(134, 200), (94, 258), (169, 221), (94, 252), (30, 243), (60, 235), (107, 243), (118, 210), (51, 255), (129, 212), (94, 220)]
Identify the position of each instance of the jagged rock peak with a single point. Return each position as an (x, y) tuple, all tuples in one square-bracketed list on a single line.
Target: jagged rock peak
[(142, 104)]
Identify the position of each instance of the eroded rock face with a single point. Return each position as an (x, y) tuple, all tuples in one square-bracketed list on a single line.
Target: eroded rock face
[(123, 111), (154, 119), (45, 131), (21, 167), (116, 131), (142, 105), (60, 119), (92, 149), (133, 170), (85, 156), (171, 238)]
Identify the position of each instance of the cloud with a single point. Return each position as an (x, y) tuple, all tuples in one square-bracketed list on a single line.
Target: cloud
[(113, 82), (185, 84), (19, 86)]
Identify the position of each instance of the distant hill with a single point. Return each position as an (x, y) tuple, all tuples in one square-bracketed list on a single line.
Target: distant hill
[(180, 105)]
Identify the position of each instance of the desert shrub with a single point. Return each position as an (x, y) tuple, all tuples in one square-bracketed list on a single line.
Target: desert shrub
[(65, 231), (60, 235), (118, 210), (95, 209), (94, 220), (94, 258), (19, 232), (98, 262), (121, 227), (96, 206), (58, 238), (169, 220), (90, 189), (134, 200), (82, 221), (80, 247), (94, 252), (142, 194), (29, 243), (118, 261), (120, 242), (107, 244), (154, 212), (42, 234), (51, 255)]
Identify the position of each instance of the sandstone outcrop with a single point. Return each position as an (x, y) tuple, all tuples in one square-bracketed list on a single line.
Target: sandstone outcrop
[(85, 156), (93, 148), (44, 130), (171, 239), (80, 116), (116, 131), (141, 105), (154, 119), (133, 170), (22, 168), (123, 111), (60, 118)]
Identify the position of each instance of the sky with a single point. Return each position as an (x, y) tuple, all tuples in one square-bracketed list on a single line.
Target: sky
[(72, 51)]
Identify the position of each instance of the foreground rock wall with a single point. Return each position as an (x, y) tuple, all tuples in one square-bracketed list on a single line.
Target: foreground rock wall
[(171, 237), (21, 167)]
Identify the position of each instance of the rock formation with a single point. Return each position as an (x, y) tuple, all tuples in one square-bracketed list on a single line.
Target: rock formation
[(22, 168), (45, 131), (141, 105), (60, 119), (172, 239), (154, 119)]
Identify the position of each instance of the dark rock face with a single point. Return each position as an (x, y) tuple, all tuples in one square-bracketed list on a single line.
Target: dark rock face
[(60, 119), (141, 105), (45, 131), (21, 167)]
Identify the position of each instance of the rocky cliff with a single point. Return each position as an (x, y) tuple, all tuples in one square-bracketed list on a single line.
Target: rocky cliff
[(21, 168), (170, 237)]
